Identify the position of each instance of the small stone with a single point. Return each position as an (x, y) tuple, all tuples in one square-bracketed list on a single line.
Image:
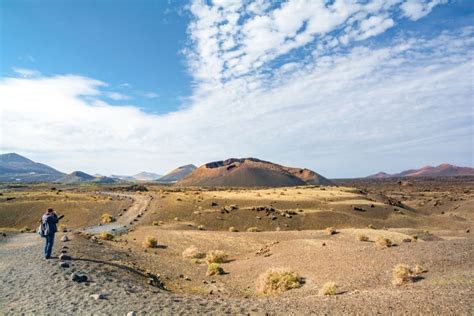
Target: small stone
[(324, 244), (64, 257), (63, 251), (78, 278), (468, 231), (64, 238), (407, 240), (132, 313), (64, 265), (98, 296)]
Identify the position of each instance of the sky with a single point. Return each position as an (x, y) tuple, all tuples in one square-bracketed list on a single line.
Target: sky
[(346, 88)]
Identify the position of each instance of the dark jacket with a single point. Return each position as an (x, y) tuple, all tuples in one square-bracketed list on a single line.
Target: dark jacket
[(50, 219)]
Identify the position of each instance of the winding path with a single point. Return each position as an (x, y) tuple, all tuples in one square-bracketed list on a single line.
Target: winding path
[(123, 223)]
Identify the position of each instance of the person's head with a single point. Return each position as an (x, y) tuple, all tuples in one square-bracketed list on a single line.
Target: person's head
[(50, 211)]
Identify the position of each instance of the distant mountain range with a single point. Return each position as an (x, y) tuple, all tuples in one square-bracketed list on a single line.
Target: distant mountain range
[(443, 170), (82, 177), (146, 176), (177, 174), (16, 168), (250, 172)]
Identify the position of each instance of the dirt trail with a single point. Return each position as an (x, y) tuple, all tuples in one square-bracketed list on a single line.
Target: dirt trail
[(123, 223)]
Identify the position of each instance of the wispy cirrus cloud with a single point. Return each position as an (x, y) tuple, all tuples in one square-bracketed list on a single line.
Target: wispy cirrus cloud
[(314, 94), (26, 73)]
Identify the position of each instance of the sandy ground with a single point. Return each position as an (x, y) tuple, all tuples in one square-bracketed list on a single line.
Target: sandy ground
[(439, 215), (33, 285)]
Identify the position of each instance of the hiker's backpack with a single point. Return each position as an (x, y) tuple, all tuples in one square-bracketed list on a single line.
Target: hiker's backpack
[(43, 229)]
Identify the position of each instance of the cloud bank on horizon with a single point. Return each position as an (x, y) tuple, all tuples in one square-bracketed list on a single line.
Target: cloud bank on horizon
[(302, 83)]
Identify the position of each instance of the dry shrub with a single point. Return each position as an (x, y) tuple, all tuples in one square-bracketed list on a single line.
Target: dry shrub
[(331, 231), (232, 229), (201, 227), (156, 223), (252, 229), (214, 269), (150, 242), (105, 236), (383, 243), (329, 288), (107, 218), (216, 256), (402, 274), (193, 253), (277, 280), (362, 237)]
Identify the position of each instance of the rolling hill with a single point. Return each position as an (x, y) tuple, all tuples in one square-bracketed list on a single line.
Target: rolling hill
[(250, 172), (82, 177), (16, 168), (146, 176), (443, 170), (177, 174)]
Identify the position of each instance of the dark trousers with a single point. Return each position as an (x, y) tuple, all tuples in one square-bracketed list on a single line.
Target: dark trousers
[(48, 248)]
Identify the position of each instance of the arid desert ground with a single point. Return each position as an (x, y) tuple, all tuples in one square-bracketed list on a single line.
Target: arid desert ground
[(153, 248)]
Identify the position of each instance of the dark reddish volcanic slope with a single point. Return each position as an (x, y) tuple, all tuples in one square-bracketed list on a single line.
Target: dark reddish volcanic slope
[(250, 172), (443, 170)]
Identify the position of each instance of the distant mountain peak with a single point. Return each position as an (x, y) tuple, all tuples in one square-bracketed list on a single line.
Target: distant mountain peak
[(250, 172), (442, 170), (178, 173), (14, 157)]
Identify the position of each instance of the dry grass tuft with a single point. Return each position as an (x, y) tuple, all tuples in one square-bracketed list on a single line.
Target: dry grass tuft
[(214, 269), (107, 218), (331, 231), (156, 223), (383, 243), (329, 288), (150, 242), (402, 274), (105, 236), (216, 256), (277, 280), (362, 237), (232, 229), (193, 253)]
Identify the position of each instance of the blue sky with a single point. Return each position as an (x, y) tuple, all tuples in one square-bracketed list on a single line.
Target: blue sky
[(135, 43), (346, 88)]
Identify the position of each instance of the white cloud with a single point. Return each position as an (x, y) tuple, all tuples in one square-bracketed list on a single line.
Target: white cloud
[(117, 96), (339, 111), (151, 95), (26, 73), (125, 85), (416, 9)]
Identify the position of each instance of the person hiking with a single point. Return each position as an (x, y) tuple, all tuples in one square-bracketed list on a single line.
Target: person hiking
[(48, 229)]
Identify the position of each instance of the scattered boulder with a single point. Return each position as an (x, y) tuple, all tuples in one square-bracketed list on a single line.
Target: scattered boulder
[(65, 238)]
